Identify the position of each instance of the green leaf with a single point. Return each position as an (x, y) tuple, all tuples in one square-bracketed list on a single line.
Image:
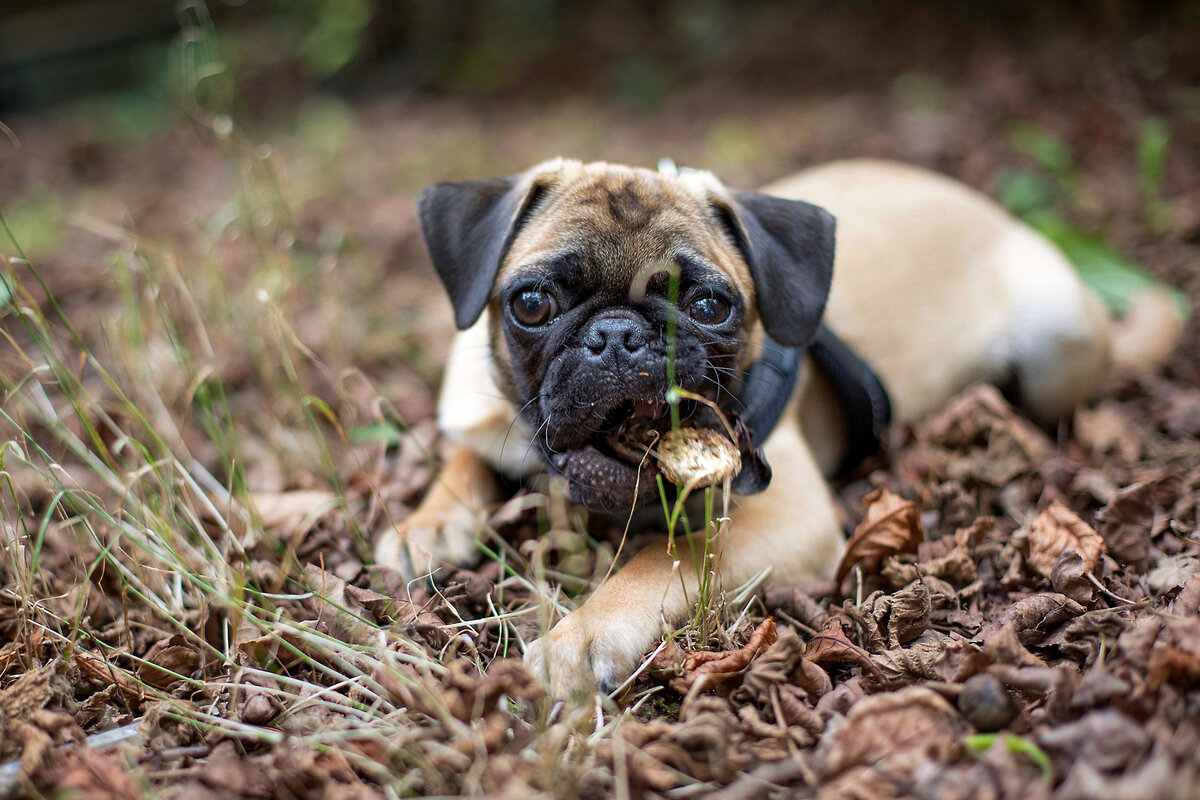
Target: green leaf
[(1023, 192), (1044, 147), (1154, 143), (1017, 745), (388, 433)]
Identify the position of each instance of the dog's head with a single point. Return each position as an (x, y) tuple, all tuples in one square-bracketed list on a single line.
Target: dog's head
[(577, 265)]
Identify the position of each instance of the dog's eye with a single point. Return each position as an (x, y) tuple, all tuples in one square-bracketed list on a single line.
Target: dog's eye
[(533, 308), (709, 310)]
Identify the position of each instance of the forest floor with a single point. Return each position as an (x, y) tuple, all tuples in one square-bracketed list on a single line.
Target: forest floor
[(219, 382)]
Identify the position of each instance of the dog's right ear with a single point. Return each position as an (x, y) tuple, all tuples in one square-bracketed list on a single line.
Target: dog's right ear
[(468, 229)]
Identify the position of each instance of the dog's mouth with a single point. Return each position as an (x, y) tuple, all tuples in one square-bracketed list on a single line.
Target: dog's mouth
[(617, 468)]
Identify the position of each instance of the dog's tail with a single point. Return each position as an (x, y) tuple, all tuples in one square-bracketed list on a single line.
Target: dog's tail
[(1148, 333)]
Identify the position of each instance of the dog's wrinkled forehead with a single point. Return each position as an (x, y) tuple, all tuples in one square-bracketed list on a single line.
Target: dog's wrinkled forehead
[(613, 221), (607, 223)]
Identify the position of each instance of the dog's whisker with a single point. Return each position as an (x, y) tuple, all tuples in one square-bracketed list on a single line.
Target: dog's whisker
[(508, 430)]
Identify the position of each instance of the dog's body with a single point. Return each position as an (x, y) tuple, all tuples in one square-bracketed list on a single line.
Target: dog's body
[(935, 286)]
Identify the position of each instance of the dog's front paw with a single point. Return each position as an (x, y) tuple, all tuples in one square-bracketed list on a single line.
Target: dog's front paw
[(430, 541), (592, 649)]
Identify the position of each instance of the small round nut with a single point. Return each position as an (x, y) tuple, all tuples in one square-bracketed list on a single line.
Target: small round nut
[(986, 703), (697, 457)]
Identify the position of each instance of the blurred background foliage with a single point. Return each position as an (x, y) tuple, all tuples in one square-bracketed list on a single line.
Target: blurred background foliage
[(635, 51), (131, 70)]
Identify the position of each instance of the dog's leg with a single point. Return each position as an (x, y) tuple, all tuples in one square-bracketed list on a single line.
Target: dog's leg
[(790, 528), (1057, 341), (444, 528)]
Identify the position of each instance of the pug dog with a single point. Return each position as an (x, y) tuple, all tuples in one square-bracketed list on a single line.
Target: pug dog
[(567, 279)]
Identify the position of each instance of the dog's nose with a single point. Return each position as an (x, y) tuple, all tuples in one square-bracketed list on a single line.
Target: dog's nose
[(617, 337)]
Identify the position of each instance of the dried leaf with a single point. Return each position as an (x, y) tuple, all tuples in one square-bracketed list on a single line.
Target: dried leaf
[(902, 616), (784, 663), (28, 726), (905, 665), (1187, 602), (957, 566), (891, 525), (1172, 573), (707, 745), (291, 515), (702, 670), (1106, 429), (337, 608), (1069, 577), (169, 661), (895, 731), (1106, 739), (87, 775), (1054, 530), (226, 771), (472, 695), (796, 603), (832, 646), (102, 671), (1033, 616), (1128, 522), (1176, 655), (988, 443), (1182, 417)]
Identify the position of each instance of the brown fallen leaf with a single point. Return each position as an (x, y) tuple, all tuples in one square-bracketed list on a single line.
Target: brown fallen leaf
[(1187, 602), (29, 727), (294, 512), (102, 671), (356, 615), (984, 440), (1032, 617), (1176, 655), (784, 663), (1133, 516), (229, 772), (832, 645), (895, 732), (1107, 429), (905, 665), (957, 567), (471, 695), (891, 525), (1182, 418), (1106, 738), (893, 620), (1000, 646), (167, 660), (86, 774), (701, 670), (707, 744), (1171, 573), (1069, 577), (1053, 531)]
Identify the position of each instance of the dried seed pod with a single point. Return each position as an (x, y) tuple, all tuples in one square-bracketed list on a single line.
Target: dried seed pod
[(697, 457)]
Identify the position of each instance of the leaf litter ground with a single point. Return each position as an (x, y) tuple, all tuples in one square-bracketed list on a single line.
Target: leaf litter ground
[(1018, 613)]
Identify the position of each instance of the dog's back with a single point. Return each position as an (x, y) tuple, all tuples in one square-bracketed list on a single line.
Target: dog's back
[(937, 286)]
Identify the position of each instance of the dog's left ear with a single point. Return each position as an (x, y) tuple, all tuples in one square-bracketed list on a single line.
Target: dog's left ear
[(788, 245), (468, 229)]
